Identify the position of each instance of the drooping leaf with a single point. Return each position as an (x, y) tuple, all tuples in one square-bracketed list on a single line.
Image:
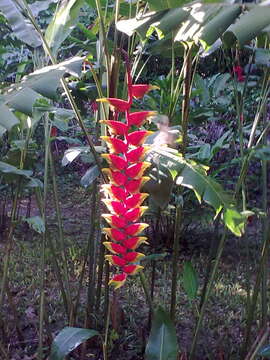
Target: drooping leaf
[(7, 118), (63, 22), (90, 176), (190, 280), (68, 339), (213, 29), (10, 169), (248, 26), (44, 82), (36, 223), (21, 26), (194, 176), (162, 342)]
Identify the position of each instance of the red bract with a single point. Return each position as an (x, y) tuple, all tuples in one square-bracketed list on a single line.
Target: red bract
[(125, 172), (139, 118), (137, 138), (116, 104), (115, 145), (116, 127), (139, 90)]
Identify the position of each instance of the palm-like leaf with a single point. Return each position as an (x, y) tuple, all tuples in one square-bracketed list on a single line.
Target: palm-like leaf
[(194, 176)]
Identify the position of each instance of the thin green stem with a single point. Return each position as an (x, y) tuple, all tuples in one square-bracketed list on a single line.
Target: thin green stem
[(44, 241), (66, 88), (177, 229), (146, 290), (105, 343), (60, 231), (207, 293)]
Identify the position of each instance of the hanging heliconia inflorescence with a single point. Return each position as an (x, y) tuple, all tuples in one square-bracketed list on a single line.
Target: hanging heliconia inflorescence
[(125, 173)]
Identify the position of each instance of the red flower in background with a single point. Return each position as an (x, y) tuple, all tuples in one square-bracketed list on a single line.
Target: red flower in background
[(125, 172), (238, 70)]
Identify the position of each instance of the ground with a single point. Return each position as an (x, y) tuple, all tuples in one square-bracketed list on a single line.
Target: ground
[(222, 331)]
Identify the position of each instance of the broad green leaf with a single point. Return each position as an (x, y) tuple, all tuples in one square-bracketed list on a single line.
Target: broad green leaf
[(7, 118), (265, 352), (162, 342), (10, 169), (63, 22), (213, 29), (68, 339), (36, 223), (140, 25), (234, 220), (90, 176), (248, 26), (190, 280), (24, 95), (173, 18), (21, 27), (194, 176)]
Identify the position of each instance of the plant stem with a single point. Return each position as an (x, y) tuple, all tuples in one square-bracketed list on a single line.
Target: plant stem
[(60, 232), (146, 291), (66, 89), (105, 343), (44, 240), (208, 293), (177, 230)]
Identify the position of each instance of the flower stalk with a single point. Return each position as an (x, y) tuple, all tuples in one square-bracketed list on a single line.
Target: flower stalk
[(123, 196)]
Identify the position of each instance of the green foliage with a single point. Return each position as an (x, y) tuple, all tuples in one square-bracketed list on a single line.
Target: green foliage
[(194, 176), (69, 339), (162, 342), (36, 223), (19, 24), (190, 280), (63, 22)]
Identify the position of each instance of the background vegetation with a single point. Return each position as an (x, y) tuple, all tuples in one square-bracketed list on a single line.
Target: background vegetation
[(204, 291)]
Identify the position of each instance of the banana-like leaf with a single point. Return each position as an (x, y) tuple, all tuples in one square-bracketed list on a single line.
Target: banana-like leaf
[(68, 339), (24, 95), (141, 25), (6, 168), (248, 26), (203, 23), (21, 26), (7, 119), (213, 29), (162, 343), (194, 176), (63, 22)]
